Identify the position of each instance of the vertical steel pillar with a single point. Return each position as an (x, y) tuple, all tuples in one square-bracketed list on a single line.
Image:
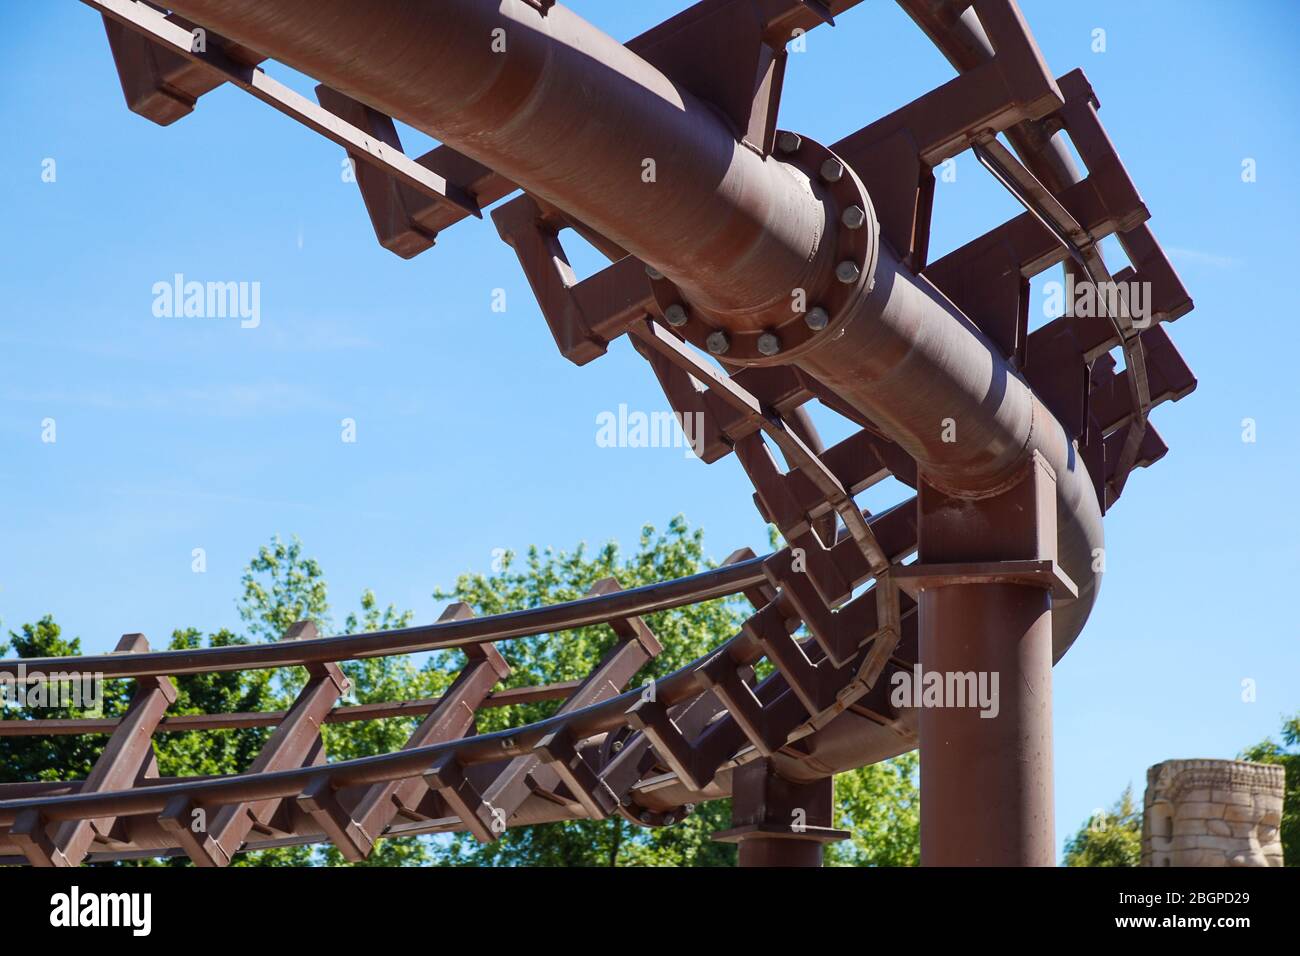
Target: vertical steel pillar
[(986, 579), (779, 822)]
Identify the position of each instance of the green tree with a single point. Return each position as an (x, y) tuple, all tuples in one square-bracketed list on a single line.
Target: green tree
[(880, 805), (1288, 755), (282, 587), (51, 758), (1110, 837)]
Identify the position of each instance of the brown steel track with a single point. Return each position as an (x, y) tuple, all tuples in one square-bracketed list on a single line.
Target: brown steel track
[(1006, 524), (680, 690)]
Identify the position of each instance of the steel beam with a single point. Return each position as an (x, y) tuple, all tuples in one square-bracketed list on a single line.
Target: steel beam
[(986, 768), (127, 757)]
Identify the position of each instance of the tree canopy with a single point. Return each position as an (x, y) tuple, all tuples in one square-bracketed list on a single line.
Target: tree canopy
[(1287, 754), (1110, 837)]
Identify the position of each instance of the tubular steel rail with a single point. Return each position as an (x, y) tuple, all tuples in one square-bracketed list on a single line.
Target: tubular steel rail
[(802, 270)]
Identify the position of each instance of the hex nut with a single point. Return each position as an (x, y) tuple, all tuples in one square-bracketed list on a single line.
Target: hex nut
[(853, 217), (718, 343), (675, 315), (788, 142), (847, 272), (817, 318), (832, 170), (769, 344)]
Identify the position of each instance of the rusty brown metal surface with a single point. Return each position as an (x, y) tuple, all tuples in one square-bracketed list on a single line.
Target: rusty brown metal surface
[(756, 271), (986, 777)]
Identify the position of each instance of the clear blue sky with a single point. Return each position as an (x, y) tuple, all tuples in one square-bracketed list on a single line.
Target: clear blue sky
[(474, 434)]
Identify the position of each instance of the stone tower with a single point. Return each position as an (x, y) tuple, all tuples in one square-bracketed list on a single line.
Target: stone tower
[(1212, 813)]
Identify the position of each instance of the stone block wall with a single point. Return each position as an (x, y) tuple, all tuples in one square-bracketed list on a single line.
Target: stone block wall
[(1212, 813)]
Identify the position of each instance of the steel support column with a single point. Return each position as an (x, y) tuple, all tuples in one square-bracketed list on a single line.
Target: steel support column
[(778, 822), (985, 581), (986, 783)]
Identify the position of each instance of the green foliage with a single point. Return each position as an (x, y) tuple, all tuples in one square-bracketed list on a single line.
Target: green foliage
[(51, 758), (282, 587), (1110, 837), (1288, 755), (215, 751), (881, 806)]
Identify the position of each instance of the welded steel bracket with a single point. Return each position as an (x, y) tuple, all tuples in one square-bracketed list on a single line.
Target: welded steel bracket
[(296, 742), (407, 218), (355, 829), (1043, 573), (718, 51), (160, 84), (896, 154), (486, 808), (1022, 552), (779, 820), (127, 758), (584, 316), (168, 39)]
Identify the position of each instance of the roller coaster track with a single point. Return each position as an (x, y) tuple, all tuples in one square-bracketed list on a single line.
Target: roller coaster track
[(886, 338)]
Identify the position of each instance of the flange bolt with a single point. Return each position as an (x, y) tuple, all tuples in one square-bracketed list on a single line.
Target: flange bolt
[(854, 217), (718, 342), (817, 318), (653, 273), (847, 272), (675, 315), (788, 142), (768, 344), (832, 170)]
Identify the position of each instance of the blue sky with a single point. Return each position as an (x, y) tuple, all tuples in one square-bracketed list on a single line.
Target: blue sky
[(474, 434)]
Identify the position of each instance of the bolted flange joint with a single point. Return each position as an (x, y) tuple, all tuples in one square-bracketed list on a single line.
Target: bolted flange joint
[(843, 273)]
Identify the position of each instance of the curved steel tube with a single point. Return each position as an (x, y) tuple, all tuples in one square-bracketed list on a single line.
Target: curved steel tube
[(556, 105), (571, 114), (911, 362), (607, 715), (705, 586)]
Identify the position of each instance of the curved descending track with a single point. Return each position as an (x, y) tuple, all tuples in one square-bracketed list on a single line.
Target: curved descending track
[(804, 271)]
